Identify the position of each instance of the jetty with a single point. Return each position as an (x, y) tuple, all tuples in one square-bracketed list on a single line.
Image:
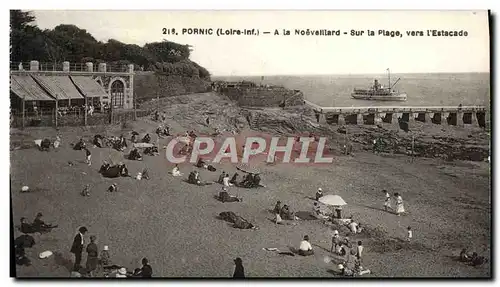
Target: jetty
[(451, 115)]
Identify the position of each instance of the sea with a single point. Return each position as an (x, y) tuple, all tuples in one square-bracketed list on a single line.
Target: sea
[(421, 89)]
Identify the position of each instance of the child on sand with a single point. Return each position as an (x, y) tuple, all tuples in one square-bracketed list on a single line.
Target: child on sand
[(410, 234), (86, 191), (387, 202), (88, 156)]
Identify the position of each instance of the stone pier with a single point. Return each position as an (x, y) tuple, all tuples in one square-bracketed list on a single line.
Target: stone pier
[(441, 115)]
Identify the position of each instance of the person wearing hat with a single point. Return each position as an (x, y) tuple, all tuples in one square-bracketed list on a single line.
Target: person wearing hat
[(92, 256), (387, 202), (305, 248), (77, 247), (122, 273), (239, 270), (319, 193), (105, 257), (335, 242), (40, 225)]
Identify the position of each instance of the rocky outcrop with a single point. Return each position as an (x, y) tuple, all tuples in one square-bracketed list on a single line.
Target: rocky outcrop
[(264, 96)]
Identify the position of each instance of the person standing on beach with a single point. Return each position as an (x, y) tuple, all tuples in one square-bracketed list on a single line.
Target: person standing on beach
[(410, 234), (88, 156), (92, 256), (319, 193), (77, 247), (239, 270), (387, 202), (335, 242), (400, 208)]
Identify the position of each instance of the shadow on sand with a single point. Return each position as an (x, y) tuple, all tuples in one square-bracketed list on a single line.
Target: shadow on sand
[(61, 261)]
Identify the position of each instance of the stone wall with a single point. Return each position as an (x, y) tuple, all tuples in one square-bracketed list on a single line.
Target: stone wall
[(264, 97), (146, 86)]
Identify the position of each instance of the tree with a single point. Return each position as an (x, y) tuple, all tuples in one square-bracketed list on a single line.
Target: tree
[(19, 20), (70, 43)]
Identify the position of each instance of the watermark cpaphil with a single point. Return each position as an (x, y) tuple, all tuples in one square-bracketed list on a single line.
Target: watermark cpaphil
[(243, 149)]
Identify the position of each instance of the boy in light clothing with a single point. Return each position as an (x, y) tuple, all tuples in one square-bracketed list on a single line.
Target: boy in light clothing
[(410, 234)]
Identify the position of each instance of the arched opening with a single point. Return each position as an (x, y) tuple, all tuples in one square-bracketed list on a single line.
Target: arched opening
[(117, 94)]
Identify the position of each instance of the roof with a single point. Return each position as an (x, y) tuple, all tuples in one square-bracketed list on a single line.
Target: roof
[(59, 87), (88, 86), (26, 88)]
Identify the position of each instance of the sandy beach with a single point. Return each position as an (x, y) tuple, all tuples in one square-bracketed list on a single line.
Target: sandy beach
[(174, 224)]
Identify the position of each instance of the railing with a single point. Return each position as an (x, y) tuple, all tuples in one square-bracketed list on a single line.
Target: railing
[(74, 117), (73, 67)]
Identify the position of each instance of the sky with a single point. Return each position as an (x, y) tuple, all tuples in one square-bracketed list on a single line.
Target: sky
[(246, 55)]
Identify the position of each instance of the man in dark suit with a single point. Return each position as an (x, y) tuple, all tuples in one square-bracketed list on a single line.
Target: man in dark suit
[(77, 247)]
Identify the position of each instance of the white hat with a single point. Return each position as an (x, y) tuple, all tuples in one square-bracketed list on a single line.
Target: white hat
[(106, 248), (320, 189), (122, 271), (336, 232), (45, 254), (25, 188)]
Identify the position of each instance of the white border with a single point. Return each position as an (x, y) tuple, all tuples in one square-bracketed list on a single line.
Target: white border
[(196, 5)]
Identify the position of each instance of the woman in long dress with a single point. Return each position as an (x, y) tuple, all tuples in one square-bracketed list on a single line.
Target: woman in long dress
[(400, 208), (92, 257)]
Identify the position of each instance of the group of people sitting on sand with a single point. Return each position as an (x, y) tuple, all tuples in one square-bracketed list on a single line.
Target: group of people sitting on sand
[(472, 258), (351, 255), (134, 155), (118, 170), (194, 178), (163, 131), (145, 139), (38, 225), (250, 180), (151, 151), (282, 213), (20, 243), (224, 196)]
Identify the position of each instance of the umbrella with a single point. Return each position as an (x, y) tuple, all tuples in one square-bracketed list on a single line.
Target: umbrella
[(331, 199)]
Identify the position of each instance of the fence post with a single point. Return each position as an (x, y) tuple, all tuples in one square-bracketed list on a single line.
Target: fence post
[(24, 113), (135, 109), (57, 110), (85, 118)]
